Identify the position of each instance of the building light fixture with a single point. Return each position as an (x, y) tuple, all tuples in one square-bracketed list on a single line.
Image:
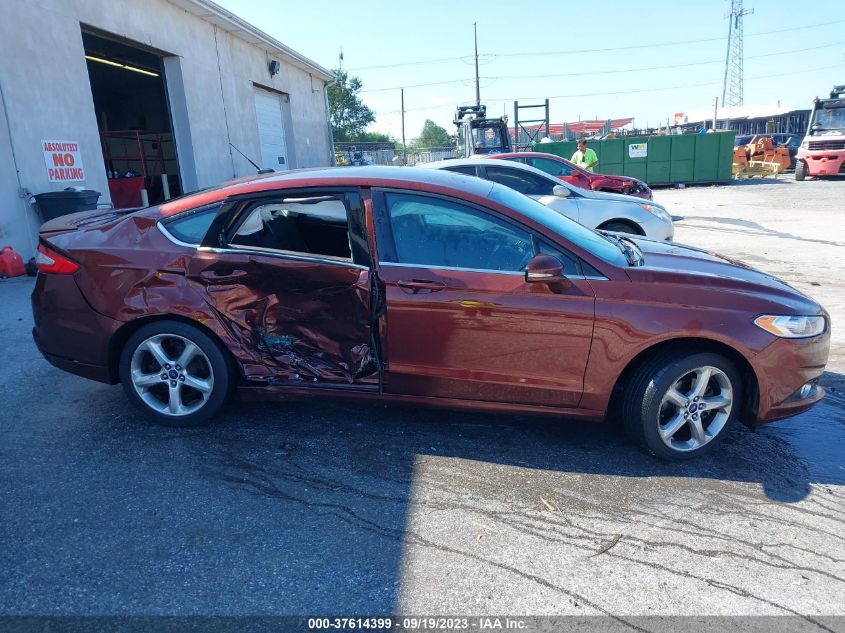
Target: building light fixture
[(109, 62)]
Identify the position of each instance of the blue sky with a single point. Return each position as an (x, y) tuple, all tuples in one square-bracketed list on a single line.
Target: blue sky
[(538, 49)]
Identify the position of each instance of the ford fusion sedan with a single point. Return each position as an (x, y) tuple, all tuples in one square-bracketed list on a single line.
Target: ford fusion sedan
[(593, 209), (574, 175), (410, 285)]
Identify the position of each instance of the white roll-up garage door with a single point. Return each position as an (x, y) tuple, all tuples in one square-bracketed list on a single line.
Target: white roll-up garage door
[(271, 130)]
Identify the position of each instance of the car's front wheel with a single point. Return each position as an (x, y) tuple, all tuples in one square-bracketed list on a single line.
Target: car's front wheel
[(800, 170), (620, 227), (175, 373), (679, 406)]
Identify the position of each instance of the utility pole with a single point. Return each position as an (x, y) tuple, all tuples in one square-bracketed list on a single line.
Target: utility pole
[(404, 145), (340, 59), (715, 112), (732, 88), (475, 39)]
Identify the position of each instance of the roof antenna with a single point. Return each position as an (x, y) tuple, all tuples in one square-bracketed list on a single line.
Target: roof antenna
[(251, 162)]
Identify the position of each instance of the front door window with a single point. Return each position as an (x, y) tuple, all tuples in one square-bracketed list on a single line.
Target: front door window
[(438, 233)]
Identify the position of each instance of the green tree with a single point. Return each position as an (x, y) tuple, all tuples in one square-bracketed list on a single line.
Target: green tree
[(348, 113), (433, 135), (373, 137)]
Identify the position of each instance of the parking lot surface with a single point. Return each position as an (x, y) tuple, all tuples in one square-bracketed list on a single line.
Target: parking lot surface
[(325, 508)]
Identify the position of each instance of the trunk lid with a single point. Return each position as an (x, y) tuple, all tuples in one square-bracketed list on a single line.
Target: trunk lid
[(83, 220)]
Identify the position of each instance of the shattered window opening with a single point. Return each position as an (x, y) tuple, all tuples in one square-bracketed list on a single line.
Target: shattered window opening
[(308, 226)]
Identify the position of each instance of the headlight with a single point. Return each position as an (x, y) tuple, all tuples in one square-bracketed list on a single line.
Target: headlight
[(660, 212), (791, 326), (805, 144)]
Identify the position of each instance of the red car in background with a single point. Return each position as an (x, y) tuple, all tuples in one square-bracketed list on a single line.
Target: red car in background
[(563, 169)]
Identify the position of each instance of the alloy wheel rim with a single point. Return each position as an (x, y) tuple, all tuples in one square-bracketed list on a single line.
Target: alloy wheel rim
[(695, 409), (171, 374)]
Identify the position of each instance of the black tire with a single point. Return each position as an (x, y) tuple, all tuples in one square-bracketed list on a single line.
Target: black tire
[(620, 227), (643, 407), (208, 369), (800, 170)]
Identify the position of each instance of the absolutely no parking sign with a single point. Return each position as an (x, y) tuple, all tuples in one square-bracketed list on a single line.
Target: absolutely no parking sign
[(63, 160)]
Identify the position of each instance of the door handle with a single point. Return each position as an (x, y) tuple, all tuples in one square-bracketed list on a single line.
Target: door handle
[(414, 286), (223, 275)]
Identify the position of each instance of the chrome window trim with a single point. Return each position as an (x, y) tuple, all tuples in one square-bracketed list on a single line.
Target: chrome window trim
[(282, 255), (349, 264), (458, 268), (483, 270)]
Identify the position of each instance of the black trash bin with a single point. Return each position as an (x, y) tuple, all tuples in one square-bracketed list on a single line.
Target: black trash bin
[(54, 204)]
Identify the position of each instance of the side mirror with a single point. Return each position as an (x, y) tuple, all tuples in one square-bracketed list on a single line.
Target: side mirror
[(544, 269), (561, 192)]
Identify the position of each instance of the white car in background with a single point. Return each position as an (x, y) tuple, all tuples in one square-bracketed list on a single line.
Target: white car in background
[(593, 209)]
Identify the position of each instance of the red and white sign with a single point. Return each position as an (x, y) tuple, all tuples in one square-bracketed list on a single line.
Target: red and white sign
[(63, 160), (680, 118)]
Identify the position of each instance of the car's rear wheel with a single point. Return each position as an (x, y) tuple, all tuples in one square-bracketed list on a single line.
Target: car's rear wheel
[(679, 406), (175, 373), (800, 170), (620, 227)]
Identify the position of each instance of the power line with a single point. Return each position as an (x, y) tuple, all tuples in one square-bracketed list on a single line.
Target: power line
[(663, 67), (439, 60), (433, 83), (663, 88), (594, 50), (621, 92), (605, 72)]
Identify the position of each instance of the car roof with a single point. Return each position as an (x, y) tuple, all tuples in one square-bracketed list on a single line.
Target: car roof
[(531, 155), (497, 162), (494, 162), (364, 176)]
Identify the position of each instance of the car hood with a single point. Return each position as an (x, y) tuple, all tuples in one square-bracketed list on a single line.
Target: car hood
[(666, 262), (622, 180), (617, 197)]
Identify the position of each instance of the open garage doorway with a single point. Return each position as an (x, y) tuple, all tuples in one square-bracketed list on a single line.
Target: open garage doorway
[(133, 117)]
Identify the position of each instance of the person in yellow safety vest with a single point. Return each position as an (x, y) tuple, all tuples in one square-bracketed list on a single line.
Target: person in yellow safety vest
[(584, 157)]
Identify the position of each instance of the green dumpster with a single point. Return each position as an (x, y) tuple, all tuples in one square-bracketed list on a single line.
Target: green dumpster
[(660, 160)]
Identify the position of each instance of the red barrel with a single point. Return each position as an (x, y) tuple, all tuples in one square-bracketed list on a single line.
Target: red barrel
[(11, 264)]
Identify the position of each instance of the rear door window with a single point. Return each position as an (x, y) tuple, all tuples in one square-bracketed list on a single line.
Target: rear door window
[(522, 181), (306, 225), (552, 167), (468, 170)]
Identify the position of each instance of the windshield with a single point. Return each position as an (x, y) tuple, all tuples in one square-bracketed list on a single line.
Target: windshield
[(832, 119), (576, 233), (487, 139)]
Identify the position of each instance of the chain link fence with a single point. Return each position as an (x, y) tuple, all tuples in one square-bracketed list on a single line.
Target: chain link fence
[(362, 155)]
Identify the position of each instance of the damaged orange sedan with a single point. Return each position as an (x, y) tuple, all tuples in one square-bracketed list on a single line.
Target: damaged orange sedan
[(420, 286)]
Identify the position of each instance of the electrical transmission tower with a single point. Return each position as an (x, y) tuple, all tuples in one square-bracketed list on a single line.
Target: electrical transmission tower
[(732, 87)]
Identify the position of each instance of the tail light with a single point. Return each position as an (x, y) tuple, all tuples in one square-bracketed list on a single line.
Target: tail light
[(49, 261)]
